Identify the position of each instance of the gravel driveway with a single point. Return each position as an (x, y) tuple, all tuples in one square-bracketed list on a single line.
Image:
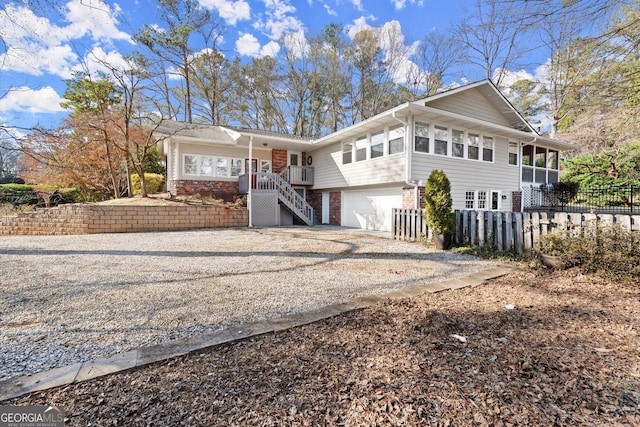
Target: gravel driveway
[(68, 299)]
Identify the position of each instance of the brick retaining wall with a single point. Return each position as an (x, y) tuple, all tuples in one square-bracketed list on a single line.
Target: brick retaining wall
[(95, 219)]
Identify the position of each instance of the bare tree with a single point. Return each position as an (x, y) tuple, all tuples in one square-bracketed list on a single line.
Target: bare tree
[(434, 57), (490, 35)]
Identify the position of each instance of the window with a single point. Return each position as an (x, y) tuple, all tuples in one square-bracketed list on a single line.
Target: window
[(361, 149), (482, 200), (190, 165), (346, 152), (527, 155), (377, 145), (477, 199), (457, 143), (513, 153), (474, 146), (470, 200), (422, 138), (236, 167), (396, 140), (206, 166), (440, 140), (495, 200), (487, 149), (265, 166), (222, 167), (541, 157)]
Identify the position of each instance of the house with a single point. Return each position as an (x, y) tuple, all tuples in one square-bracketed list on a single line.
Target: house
[(356, 176)]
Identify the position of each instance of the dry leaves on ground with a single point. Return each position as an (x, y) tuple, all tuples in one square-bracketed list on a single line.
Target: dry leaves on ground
[(541, 349)]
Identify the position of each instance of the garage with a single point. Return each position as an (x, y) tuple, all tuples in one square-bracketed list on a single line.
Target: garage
[(370, 209)]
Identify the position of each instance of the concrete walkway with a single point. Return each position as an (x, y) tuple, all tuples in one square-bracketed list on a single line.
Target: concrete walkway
[(143, 356)]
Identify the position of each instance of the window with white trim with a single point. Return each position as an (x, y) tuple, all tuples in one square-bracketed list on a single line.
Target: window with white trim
[(209, 166), (377, 145), (396, 139), (190, 164), (347, 147), (421, 138), (440, 140), (513, 153), (361, 149), (236, 167), (473, 148), (487, 148), (482, 200), (475, 199), (457, 143), (495, 200), (470, 199)]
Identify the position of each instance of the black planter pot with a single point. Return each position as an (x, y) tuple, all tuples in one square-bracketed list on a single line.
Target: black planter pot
[(442, 241)]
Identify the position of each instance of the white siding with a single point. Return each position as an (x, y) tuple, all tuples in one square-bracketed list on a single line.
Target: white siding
[(331, 173), (471, 103), (471, 175)]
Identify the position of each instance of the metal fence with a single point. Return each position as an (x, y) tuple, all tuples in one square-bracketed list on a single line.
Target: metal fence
[(609, 199)]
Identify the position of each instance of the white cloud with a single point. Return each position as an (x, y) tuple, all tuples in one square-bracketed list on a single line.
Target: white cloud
[(270, 49), (401, 4), (297, 44), (230, 11), (248, 44), (25, 99), (97, 20), (278, 21), (358, 25), (358, 5), (330, 11), (37, 46)]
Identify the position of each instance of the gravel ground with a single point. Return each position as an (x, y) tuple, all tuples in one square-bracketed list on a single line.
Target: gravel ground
[(68, 299)]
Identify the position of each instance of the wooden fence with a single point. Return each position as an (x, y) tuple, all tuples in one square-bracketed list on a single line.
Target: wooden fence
[(504, 231)]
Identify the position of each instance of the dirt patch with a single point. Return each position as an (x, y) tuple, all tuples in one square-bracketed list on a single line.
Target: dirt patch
[(524, 349)]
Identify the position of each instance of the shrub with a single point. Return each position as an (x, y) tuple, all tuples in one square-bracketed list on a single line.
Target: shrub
[(18, 194), (608, 250), (153, 183), (438, 203)]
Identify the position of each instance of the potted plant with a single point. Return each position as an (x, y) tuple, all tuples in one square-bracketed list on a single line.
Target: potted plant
[(438, 213), (552, 248)]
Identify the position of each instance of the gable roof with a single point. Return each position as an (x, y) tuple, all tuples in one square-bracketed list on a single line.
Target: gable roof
[(492, 94)]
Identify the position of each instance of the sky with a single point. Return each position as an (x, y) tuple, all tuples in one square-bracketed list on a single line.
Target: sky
[(43, 47)]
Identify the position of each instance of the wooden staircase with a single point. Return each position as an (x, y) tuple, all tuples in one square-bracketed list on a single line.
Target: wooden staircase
[(287, 196)]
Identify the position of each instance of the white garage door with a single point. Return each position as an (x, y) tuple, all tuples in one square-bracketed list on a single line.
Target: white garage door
[(370, 210)]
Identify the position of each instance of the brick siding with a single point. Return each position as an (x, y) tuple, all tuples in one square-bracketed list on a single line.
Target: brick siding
[(278, 160), (225, 190), (516, 201), (408, 197), (95, 219), (335, 208)]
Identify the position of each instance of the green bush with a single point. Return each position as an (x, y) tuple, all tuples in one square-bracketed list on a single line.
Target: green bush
[(153, 183), (40, 195), (18, 194), (608, 250), (438, 204)]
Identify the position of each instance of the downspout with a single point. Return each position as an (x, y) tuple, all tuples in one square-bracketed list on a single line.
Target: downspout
[(250, 181), (408, 158)]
